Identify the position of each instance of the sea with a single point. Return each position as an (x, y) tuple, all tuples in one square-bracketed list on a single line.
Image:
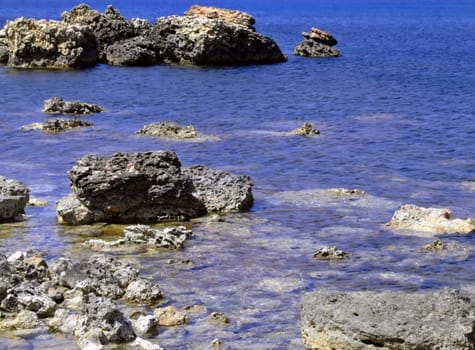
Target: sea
[(396, 115)]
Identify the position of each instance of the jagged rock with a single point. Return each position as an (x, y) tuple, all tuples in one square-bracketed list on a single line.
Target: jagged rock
[(170, 316), (306, 129), (25, 319), (168, 130), (145, 325), (388, 320), (203, 41), (55, 125), (317, 43), (329, 253), (169, 237), (4, 50), (429, 220), (71, 211), (137, 51), (132, 187), (228, 16), (142, 291), (221, 191), (14, 195), (108, 27), (57, 105), (49, 44)]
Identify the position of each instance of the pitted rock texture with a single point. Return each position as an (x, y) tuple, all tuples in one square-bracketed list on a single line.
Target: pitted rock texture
[(228, 16), (57, 105), (317, 43), (14, 196)]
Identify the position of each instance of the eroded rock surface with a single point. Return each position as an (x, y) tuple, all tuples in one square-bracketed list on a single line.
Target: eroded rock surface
[(228, 16), (14, 196), (55, 125), (306, 129), (168, 130), (317, 43), (57, 105), (388, 320), (429, 220)]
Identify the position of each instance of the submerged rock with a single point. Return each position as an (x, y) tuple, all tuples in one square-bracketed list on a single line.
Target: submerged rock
[(388, 320), (168, 130), (317, 43), (49, 44), (57, 105), (329, 253), (14, 196), (429, 220), (148, 187), (55, 125), (306, 129), (170, 316)]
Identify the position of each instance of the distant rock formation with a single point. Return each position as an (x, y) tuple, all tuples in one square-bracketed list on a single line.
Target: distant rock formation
[(168, 130), (306, 129), (85, 37), (57, 105), (55, 125), (317, 43)]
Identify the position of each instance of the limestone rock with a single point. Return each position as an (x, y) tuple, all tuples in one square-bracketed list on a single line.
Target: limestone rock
[(55, 125), (169, 237), (221, 191), (49, 44), (228, 16), (170, 316), (317, 43), (203, 41), (145, 325), (4, 50), (429, 220), (57, 105), (388, 320), (168, 130), (137, 51), (329, 253), (143, 292), (14, 196)]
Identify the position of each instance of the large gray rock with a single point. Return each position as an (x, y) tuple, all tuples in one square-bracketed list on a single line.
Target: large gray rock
[(203, 41), (429, 220), (221, 191), (49, 44), (148, 187), (14, 196), (388, 320), (317, 43)]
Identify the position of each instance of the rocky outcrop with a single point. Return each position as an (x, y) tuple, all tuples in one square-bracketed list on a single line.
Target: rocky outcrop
[(317, 43), (137, 51), (228, 16), (57, 105), (148, 187), (202, 41), (14, 196), (388, 320), (4, 50), (168, 130), (306, 129), (108, 27), (429, 220), (49, 44), (220, 191), (55, 125)]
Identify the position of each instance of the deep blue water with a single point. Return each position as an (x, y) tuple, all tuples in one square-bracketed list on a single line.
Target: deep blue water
[(397, 118)]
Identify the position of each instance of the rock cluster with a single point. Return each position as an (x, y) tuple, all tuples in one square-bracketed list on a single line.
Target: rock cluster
[(57, 105), (14, 196), (388, 320), (317, 43), (148, 187), (73, 297), (429, 220), (168, 130), (85, 37)]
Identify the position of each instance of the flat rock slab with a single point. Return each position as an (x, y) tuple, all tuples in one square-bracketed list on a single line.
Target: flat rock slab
[(388, 320)]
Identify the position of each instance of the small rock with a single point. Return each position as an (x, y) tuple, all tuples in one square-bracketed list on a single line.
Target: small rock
[(435, 246), (142, 291), (56, 125), (320, 36), (168, 130), (56, 105), (306, 129), (198, 309), (142, 344), (317, 43), (170, 316), (14, 195), (218, 318), (329, 253), (145, 325), (35, 202)]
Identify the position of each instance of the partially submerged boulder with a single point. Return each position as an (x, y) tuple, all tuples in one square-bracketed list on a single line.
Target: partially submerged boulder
[(168, 130), (55, 125), (317, 43), (49, 44), (306, 129), (14, 196), (388, 320), (57, 105), (148, 187), (330, 253), (429, 220)]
